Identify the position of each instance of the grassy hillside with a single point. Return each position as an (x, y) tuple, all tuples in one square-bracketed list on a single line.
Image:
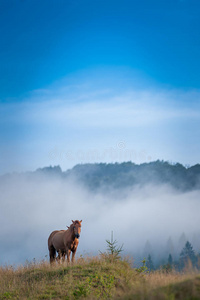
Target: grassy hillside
[(95, 278)]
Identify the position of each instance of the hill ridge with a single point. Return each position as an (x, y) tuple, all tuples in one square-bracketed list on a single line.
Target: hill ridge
[(107, 176)]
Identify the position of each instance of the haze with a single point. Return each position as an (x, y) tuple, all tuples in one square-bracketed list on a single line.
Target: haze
[(33, 206)]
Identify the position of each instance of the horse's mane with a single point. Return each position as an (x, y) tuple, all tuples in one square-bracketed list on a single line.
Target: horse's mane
[(75, 222)]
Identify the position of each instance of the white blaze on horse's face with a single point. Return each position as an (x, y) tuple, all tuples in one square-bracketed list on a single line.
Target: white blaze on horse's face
[(77, 228)]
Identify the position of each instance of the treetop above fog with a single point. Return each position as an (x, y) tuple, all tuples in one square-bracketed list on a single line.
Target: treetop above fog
[(128, 174)]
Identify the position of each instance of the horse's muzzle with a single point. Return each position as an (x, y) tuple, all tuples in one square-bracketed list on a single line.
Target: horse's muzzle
[(77, 236)]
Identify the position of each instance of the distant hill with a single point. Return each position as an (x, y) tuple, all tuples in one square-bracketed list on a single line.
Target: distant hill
[(127, 174)]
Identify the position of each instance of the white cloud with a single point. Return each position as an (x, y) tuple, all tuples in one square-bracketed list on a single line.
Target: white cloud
[(128, 109), (84, 118)]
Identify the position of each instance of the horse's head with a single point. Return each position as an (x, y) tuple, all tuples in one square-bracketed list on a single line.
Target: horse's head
[(77, 228)]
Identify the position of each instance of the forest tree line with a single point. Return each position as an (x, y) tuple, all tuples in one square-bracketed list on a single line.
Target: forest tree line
[(98, 176)]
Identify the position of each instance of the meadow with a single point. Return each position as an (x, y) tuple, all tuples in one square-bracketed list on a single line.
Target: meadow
[(96, 278)]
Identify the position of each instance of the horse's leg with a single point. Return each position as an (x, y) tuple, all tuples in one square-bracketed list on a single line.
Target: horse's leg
[(73, 256), (68, 255), (63, 256), (74, 251), (59, 256), (52, 254)]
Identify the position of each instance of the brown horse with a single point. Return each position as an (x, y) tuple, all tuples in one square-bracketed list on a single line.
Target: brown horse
[(64, 242)]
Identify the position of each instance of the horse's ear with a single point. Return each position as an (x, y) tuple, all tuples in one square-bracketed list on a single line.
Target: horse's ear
[(72, 221), (67, 226), (81, 221)]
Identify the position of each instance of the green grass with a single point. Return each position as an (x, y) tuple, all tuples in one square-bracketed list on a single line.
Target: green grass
[(95, 278)]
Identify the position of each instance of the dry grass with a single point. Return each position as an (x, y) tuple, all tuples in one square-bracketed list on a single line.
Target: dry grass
[(163, 286), (95, 278), (157, 279)]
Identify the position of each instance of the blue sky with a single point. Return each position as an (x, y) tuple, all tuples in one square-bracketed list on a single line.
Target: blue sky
[(89, 81)]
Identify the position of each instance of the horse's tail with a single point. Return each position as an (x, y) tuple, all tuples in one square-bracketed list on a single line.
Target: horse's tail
[(52, 250), (52, 254)]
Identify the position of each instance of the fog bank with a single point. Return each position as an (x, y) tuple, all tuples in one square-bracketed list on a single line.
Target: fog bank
[(33, 206)]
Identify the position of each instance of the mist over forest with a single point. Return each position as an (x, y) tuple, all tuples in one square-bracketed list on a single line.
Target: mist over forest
[(152, 208)]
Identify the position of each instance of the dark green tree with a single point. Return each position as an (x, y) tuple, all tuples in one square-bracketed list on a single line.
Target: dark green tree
[(168, 267), (113, 251), (149, 263), (170, 260), (187, 254)]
